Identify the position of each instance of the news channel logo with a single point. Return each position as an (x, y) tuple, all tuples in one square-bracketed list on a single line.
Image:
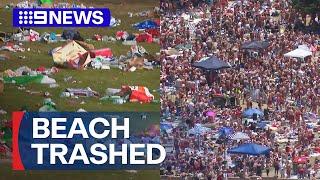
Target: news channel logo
[(66, 17)]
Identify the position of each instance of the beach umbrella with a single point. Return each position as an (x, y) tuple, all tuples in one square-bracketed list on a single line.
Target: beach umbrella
[(198, 129), (251, 111), (211, 114), (165, 126), (211, 63), (239, 136)]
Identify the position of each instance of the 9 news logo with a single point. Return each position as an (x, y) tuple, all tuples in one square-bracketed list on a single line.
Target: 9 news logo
[(66, 17)]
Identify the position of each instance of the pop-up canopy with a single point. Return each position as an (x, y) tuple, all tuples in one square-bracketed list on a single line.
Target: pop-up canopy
[(298, 53)]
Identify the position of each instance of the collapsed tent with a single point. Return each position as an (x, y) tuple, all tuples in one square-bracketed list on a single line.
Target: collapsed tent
[(128, 94), (140, 94), (25, 79), (71, 55), (147, 24), (144, 37), (105, 52), (298, 53), (255, 45), (212, 63)]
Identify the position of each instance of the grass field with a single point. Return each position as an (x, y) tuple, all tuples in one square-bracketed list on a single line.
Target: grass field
[(99, 80)]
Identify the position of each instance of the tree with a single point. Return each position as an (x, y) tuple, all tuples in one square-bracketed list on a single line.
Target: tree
[(307, 6)]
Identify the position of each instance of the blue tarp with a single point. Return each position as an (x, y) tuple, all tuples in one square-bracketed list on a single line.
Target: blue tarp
[(212, 63), (250, 149), (147, 24), (249, 112)]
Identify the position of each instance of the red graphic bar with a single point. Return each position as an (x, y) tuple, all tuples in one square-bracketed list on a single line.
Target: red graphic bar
[(16, 160)]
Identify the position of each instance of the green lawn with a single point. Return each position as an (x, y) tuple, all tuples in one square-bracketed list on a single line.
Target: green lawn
[(99, 80)]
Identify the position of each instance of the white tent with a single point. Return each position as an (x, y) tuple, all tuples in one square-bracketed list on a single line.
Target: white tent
[(298, 53)]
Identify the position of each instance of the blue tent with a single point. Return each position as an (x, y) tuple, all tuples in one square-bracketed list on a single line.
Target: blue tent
[(147, 24), (251, 111), (212, 63), (250, 149)]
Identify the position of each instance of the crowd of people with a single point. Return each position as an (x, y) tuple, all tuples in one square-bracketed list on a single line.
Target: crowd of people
[(286, 89)]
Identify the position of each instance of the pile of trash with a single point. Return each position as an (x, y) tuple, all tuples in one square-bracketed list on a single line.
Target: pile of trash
[(139, 94), (73, 55), (12, 47)]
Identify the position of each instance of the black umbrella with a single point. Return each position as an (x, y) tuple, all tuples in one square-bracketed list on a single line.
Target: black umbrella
[(212, 63), (255, 45)]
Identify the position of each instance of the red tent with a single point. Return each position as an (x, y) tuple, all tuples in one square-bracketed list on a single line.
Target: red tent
[(140, 94), (153, 32), (144, 37), (105, 52)]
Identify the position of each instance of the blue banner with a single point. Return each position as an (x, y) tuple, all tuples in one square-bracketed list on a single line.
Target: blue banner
[(64, 17)]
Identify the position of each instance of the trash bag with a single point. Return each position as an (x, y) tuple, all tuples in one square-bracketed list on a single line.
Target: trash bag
[(72, 35)]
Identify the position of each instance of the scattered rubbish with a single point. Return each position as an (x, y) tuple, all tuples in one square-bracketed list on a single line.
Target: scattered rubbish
[(53, 85), (26, 35), (48, 106), (108, 39), (74, 92), (9, 46), (81, 110), (46, 94), (22, 57), (3, 112), (4, 57), (132, 69)]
